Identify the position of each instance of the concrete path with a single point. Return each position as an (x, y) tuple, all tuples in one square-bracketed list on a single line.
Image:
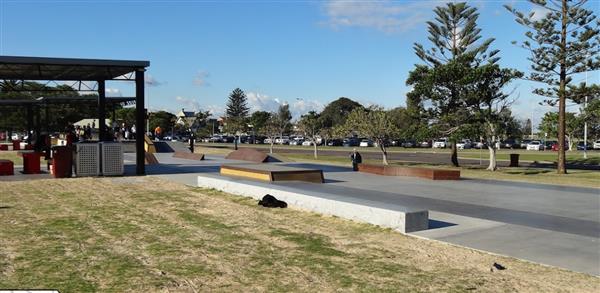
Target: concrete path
[(553, 225)]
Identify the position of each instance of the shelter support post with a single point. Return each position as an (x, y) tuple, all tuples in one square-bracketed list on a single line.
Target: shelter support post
[(140, 123), (29, 123), (102, 110)]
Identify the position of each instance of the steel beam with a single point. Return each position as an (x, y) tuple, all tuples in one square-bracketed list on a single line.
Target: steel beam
[(140, 123), (102, 110)]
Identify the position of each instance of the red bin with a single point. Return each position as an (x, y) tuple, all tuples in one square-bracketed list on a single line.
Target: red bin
[(62, 161), (16, 145), (6, 167), (31, 162)]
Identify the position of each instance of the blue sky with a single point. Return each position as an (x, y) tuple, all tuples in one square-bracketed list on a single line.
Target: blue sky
[(306, 53)]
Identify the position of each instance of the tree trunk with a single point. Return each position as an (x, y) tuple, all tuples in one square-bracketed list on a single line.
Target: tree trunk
[(315, 146), (562, 166), (271, 146), (454, 155), (492, 166), (383, 153), (235, 139)]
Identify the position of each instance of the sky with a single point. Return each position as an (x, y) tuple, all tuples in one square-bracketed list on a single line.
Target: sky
[(305, 53)]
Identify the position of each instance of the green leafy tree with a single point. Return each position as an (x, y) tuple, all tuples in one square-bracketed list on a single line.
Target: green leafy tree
[(284, 119), (564, 42), (236, 113), (335, 113), (164, 119), (310, 125), (373, 123), (443, 81), (258, 120), (573, 130), (491, 116), (200, 126), (271, 130)]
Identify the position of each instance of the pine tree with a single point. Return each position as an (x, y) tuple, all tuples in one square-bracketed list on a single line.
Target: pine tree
[(237, 106), (564, 42), (456, 47), (237, 112)]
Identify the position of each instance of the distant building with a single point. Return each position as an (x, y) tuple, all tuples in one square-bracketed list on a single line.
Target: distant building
[(185, 117)]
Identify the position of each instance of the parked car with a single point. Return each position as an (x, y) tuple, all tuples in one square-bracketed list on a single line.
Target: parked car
[(535, 145), (366, 143), (282, 140), (296, 142), (524, 143), (510, 144), (351, 142), (440, 144), (597, 145), (409, 144), (335, 142), (216, 138), (547, 145), (425, 144), (307, 143), (581, 146), (480, 145), (464, 144)]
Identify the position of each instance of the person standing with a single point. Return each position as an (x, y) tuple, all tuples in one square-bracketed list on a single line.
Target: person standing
[(356, 159), (192, 139), (133, 131)]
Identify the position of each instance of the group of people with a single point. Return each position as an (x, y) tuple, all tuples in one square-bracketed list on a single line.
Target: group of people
[(123, 132), (83, 133)]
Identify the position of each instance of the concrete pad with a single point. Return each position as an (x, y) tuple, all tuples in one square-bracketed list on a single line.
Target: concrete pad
[(398, 218)]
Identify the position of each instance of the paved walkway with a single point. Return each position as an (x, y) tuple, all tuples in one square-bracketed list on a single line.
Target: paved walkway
[(553, 225)]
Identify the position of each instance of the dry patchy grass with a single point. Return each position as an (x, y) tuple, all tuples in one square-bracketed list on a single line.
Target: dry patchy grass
[(145, 234)]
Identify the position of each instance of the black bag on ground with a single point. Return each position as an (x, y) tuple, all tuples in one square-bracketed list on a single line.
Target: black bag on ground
[(270, 201)]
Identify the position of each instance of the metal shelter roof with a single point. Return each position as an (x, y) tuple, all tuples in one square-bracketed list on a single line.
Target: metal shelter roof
[(65, 100), (46, 68)]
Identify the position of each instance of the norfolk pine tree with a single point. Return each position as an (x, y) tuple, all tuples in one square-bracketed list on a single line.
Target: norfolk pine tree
[(455, 42), (237, 112), (564, 42)]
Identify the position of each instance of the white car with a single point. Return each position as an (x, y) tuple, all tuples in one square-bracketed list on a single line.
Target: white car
[(597, 145), (439, 144), (535, 145), (307, 143), (463, 145), (296, 142), (365, 143), (282, 140)]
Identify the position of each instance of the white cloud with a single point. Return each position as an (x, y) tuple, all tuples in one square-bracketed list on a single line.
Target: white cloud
[(112, 92), (200, 79), (387, 16), (299, 107), (151, 81), (539, 12), (187, 103)]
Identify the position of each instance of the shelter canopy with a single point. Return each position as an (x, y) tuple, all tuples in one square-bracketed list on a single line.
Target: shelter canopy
[(46, 68)]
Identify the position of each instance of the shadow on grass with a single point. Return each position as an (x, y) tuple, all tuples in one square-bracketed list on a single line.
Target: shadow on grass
[(527, 172)]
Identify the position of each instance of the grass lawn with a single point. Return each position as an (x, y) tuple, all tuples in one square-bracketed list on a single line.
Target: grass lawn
[(11, 155), (581, 178), (144, 235)]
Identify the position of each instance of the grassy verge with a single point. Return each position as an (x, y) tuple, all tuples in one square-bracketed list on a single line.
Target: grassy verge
[(145, 234), (580, 178), (503, 154), (11, 155)]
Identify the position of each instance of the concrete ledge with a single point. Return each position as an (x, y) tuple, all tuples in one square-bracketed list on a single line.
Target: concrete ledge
[(398, 218), (428, 173)]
